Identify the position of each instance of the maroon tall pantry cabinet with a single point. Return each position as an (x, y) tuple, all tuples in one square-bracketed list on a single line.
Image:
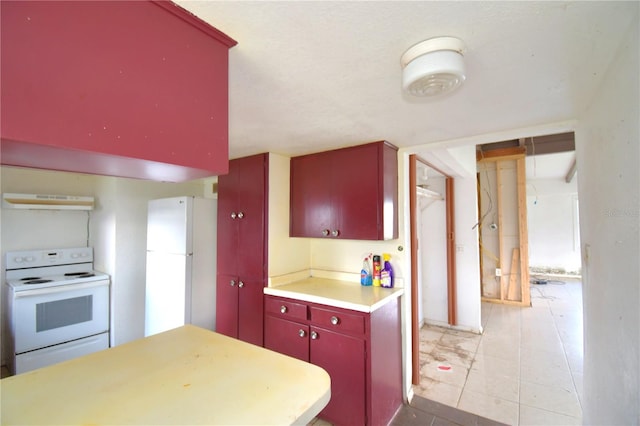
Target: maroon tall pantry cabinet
[(242, 249)]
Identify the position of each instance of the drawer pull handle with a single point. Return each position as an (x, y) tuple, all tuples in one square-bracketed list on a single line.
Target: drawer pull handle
[(283, 309), (240, 215), (314, 335), (335, 320), (325, 232), (233, 215), (232, 283), (240, 284), (335, 233), (302, 333)]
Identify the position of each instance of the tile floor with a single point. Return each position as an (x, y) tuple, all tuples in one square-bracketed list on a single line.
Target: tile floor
[(526, 367)]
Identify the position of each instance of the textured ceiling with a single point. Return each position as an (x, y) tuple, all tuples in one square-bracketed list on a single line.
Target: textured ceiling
[(308, 76)]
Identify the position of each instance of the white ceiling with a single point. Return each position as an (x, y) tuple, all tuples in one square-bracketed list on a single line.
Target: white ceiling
[(313, 75)]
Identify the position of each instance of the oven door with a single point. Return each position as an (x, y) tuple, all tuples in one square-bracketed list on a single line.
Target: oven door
[(52, 315)]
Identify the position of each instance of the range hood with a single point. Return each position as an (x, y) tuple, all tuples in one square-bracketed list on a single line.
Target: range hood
[(47, 202)]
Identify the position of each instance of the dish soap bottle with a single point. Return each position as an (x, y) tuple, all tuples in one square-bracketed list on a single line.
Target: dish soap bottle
[(365, 274), (386, 275), (376, 270)]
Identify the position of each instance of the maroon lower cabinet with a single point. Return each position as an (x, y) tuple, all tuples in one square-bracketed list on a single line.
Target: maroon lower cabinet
[(227, 305), (287, 337), (343, 357), (360, 351), (239, 308)]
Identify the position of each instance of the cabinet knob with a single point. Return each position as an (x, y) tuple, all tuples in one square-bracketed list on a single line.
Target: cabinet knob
[(240, 284), (302, 333), (283, 309), (314, 335), (335, 233), (240, 215), (335, 320), (233, 215), (232, 283), (325, 232)]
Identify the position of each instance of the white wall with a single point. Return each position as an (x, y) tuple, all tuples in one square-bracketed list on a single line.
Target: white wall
[(432, 255), (116, 229), (552, 216), (286, 255), (607, 148)]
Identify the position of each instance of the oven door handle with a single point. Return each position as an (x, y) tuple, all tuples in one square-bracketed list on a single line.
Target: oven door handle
[(60, 288)]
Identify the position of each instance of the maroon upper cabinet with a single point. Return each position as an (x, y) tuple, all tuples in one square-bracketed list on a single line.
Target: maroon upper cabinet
[(349, 193), (134, 89), (242, 248)]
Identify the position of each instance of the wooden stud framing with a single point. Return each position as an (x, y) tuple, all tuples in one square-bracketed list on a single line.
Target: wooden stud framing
[(507, 291), (501, 254), (523, 231)]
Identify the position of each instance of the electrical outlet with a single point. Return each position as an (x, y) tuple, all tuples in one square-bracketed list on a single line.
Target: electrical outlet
[(498, 272)]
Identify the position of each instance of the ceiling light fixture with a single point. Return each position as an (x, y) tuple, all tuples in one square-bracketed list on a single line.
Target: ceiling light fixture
[(433, 67)]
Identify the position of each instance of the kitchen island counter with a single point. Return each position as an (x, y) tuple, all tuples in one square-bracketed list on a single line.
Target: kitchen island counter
[(187, 375), (337, 293)]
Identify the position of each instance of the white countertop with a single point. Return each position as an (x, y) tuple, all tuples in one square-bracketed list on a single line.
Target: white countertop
[(340, 294), (188, 375)]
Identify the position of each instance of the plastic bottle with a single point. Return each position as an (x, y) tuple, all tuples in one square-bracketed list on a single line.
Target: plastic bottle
[(376, 270), (386, 275), (365, 274)]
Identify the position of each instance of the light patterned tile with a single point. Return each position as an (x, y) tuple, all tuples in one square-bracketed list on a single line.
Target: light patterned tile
[(499, 386), (551, 398), (548, 376), (531, 416), (427, 346), (443, 393), (452, 356), (430, 334), (444, 372), (578, 382), (491, 407), (501, 347), (467, 342), (491, 365)]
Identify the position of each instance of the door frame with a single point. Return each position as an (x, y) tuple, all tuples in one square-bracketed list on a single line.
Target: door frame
[(451, 257)]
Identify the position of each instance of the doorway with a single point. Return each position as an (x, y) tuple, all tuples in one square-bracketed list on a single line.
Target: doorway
[(430, 188)]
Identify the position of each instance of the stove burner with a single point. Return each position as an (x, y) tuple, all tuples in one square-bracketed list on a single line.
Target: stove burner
[(79, 274), (30, 278), (37, 281)]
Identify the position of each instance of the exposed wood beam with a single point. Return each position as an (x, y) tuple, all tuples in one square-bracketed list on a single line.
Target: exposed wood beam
[(500, 154), (572, 171)]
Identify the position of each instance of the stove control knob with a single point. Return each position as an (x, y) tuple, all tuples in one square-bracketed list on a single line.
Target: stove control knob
[(18, 260), (74, 255), (30, 259)]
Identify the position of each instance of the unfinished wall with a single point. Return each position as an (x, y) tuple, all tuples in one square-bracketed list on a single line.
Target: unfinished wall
[(607, 148), (503, 230)]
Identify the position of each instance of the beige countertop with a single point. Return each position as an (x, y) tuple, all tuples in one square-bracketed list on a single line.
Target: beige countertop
[(188, 375), (340, 294)]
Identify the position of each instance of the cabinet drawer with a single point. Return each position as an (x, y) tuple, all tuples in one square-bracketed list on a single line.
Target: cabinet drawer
[(337, 320), (286, 308)]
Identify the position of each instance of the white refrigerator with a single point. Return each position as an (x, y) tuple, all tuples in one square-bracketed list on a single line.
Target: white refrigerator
[(181, 264)]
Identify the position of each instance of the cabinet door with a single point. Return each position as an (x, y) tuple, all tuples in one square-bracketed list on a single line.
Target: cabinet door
[(227, 305), (356, 192), (286, 337), (343, 357), (227, 229), (251, 193), (311, 188), (251, 310)]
